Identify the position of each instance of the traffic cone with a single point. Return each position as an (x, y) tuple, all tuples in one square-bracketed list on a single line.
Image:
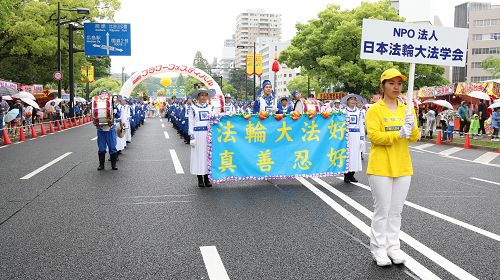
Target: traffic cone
[(77, 122), (22, 137), (58, 125), (438, 139), (70, 122), (65, 125), (51, 128), (467, 141), (42, 129), (6, 139), (33, 132), (81, 121)]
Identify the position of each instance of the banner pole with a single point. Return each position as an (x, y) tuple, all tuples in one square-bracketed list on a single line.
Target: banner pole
[(409, 93)]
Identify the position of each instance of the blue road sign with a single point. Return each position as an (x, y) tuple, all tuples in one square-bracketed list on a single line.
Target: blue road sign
[(106, 39)]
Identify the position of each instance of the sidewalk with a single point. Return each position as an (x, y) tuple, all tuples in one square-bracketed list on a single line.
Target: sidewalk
[(483, 143)]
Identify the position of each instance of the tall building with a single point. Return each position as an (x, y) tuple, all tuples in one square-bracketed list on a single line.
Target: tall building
[(227, 60), (249, 26), (483, 21), (270, 48)]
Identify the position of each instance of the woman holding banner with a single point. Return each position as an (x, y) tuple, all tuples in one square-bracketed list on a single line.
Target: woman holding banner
[(199, 116), (390, 169)]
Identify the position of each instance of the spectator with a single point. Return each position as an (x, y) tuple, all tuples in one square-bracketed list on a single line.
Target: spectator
[(65, 109), (482, 116), (495, 123), (430, 123), (464, 115), (4, 109), (52, 111), (58, 112), (474, 126)]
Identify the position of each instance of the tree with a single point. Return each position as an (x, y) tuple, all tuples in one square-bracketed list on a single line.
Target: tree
[(329, 47), (111, 84), (300, 83), (237, 79), (492, 65), (29, 38), (180, 81), (201, 63)]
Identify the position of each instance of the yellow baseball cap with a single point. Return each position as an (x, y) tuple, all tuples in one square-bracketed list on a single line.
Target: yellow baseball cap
[(391, 73)]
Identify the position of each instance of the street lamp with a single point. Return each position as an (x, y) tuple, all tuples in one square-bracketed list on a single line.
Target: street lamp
[(242, 47), (83, 11)]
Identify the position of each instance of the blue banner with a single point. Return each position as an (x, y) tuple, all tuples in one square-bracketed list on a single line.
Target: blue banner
[(256, 149)]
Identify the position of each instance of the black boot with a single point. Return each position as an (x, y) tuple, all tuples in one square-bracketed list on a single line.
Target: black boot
[(352, 178), (347, 178), (113, 161), (102, 158), (200, 181), (207, 182)]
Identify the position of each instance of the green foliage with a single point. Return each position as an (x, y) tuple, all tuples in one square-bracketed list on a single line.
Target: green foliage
[(492, 65), (237, 79), (180, 80), (111, 84), (28, 38), (201, 63), (329, 47), (300, 83)]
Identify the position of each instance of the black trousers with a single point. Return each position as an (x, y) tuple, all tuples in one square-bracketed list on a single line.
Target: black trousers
[(481, 126), (464, 127)]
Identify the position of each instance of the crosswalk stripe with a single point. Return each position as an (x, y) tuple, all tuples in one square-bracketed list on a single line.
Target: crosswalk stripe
[(486, 157), (424, 146), (450, 151)]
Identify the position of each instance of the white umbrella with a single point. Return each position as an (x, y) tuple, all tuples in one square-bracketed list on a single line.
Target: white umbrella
[(30, 102), (495, 105), (80, 99), (55, 101), (429, 101), (443, 103), (479, 95), (6, 97), (24, 94)]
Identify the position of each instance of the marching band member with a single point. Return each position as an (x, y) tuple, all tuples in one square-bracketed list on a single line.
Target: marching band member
[(337, 106), (229, 108), (327, 107), (389, 172), (126, 119), (355, 127), (199, 116), (266, 101), (360, 106), (120, 141), (298, 102), (106, 132)]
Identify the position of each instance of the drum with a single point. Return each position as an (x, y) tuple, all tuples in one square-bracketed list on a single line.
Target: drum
[(102, 110)]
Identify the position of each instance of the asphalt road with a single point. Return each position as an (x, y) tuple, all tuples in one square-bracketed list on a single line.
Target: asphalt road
[(148, 220)]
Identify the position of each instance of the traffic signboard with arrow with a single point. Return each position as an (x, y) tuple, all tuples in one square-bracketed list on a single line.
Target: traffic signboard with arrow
[(107, 39)]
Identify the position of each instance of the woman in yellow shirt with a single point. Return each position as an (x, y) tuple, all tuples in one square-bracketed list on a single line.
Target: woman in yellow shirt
[(389, 170)]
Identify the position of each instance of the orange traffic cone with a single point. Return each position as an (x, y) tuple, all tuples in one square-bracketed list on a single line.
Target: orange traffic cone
[(438, 139), (70, 122), (81, 120), (58, 126), (65, 125), (42, 129), (22, 137), (51, 128), (467, 141), (6, 139), (77, 121), (33, 132)]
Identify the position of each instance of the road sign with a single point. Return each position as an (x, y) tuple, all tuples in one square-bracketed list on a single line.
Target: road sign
[(107, 39), (413, 43), (57, 75)]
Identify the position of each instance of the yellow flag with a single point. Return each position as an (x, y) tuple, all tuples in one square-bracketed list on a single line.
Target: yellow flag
[(258, 64), (249, 64), (91, 74)]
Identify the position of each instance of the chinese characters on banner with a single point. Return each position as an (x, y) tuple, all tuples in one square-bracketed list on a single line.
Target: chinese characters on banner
[(413, 43), (179, 92), (258, 149)]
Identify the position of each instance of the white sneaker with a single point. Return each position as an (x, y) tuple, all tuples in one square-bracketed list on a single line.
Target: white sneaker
[(381, 259), (397, 256)]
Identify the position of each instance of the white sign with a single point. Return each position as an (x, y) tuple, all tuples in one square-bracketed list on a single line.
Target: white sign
[(413, 43)]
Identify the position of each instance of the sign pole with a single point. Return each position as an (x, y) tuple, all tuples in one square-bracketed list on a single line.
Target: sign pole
[(409, 93)]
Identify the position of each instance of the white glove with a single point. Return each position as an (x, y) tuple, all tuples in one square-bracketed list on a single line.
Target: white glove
[(405, 131), (402, 132), (409, 119)]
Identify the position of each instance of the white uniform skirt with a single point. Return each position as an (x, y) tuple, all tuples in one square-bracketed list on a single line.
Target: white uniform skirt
[(120, 143), (199, 154), (355, 163)]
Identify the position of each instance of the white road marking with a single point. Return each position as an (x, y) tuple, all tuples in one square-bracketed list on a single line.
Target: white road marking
[(95, 138), (423, 146), (462, 159), (166, 135), (491, 182), (411, 263), (450, 151), (45, 166), (3, 146), (163, 125), (439, 215), (213, 263), (161, 120), (42, 136), (423, 249), (156, 202), (156, 196), (486, 157), (177, 163), (416, 151)]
